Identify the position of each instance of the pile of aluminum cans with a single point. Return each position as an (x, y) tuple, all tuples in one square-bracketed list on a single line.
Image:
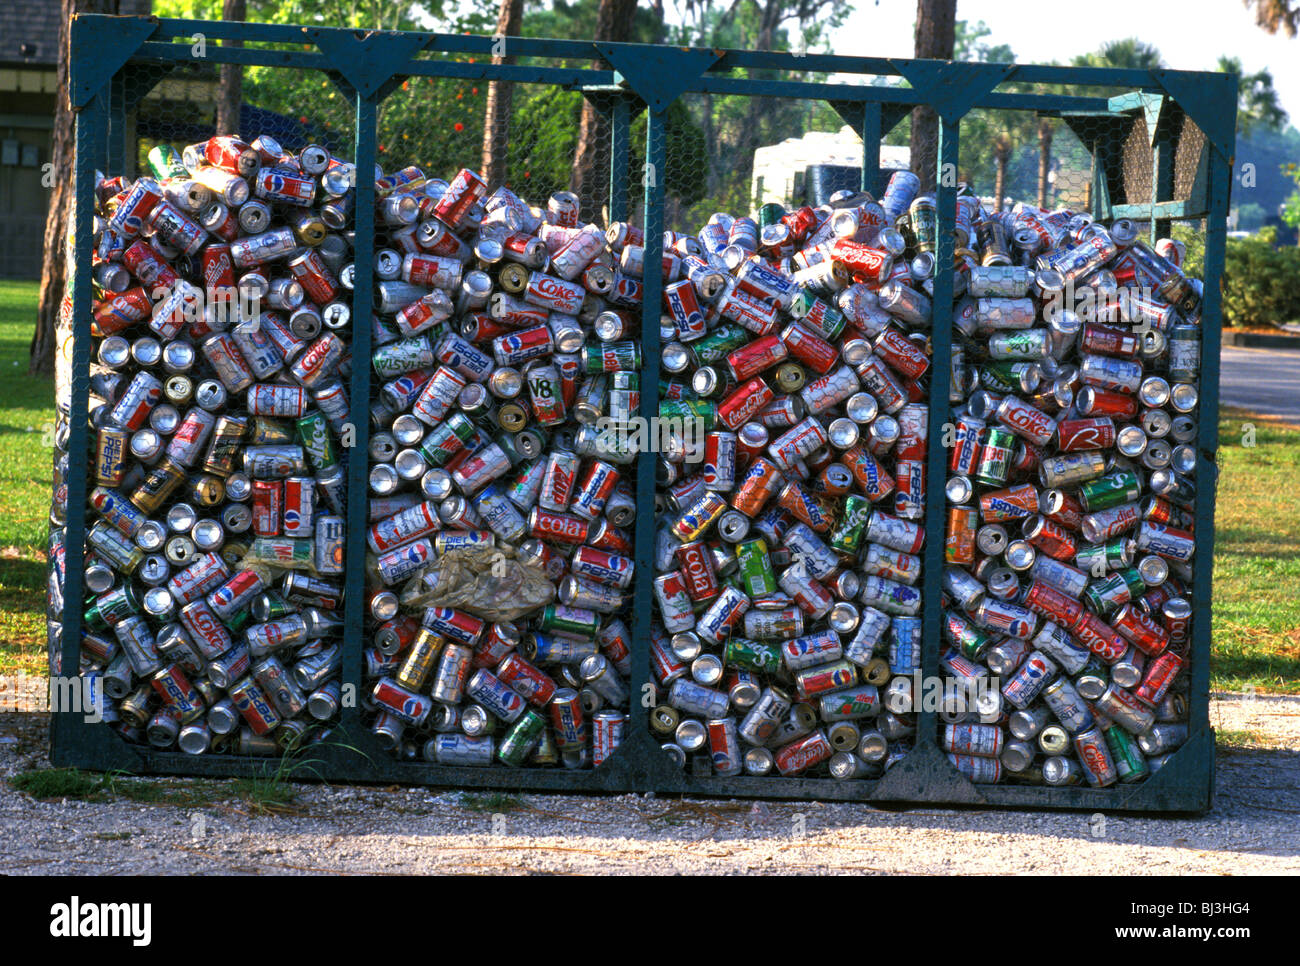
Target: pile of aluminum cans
[(788, 556), (504, 334), (214, 531), (1070, 496), (504, 421)]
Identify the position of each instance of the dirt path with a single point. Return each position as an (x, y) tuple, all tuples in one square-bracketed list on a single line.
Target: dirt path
[(1252, 828)]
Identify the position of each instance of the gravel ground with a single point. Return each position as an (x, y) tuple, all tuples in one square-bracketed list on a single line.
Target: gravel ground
[(1252, 828)]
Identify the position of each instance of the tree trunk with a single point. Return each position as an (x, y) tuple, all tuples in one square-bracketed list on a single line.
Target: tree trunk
[(230, 92), (1045, 133), (496, 122), (59, 215), (999, 180), (935, 25), (589, 181)]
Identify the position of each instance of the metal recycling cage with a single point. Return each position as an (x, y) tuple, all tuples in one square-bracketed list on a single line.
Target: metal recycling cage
[(1138, 180)]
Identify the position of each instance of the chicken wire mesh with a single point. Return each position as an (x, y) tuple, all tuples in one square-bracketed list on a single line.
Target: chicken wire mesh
[(169, 657)]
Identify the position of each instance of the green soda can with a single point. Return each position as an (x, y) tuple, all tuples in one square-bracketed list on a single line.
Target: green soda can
[(751, 655), (271, 606), (996, 455), (286, 552), (846, 536), (570, 620), (407, 355), (681, 410), (816, 314), (757, 579), (447, 439), (970, 640), (1130, 764), (317, 441), (1110, 490), (522, 737), (1005, 377), (770, 214), (1098, 558), (1028, 344), (1115, 591), (113, 607), (720, 343), (610, 356), (165, 162), (923, 218)]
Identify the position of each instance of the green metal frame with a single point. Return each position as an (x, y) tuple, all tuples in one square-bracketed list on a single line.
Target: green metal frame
[(366, 66)]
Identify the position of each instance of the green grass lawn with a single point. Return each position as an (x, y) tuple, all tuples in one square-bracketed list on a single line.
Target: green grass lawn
[(1257, 557), (1256, 571), (26, 424)]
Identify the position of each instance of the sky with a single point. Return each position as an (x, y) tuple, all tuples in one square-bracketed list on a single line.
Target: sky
[(1190, 34)]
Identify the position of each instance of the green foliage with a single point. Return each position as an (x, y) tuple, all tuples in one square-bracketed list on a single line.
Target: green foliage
[(1259, 281)]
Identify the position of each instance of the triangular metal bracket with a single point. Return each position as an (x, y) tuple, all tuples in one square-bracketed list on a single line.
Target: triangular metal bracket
[(1210, 100), (952, 87), (926, 775), (658, 75), (367, 59), (851, 113), (99, 47), (1154, 112)]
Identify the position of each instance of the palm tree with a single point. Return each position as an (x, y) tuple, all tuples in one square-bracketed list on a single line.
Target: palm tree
[(1257, 102), (1128, 53)]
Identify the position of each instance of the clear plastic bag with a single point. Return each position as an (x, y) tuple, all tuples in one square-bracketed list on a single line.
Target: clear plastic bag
[(489, 582)]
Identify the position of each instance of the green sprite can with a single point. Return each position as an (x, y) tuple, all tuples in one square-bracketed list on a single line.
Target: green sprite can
[(522, 737), (317, 441), (757, 579), (720, 343), (1028, 344), (996, 455), (570, 620), (751, 655), (846, 535), (165, 162), (1130, 764), (1111, 490), (1095, 560), (1109, 595)]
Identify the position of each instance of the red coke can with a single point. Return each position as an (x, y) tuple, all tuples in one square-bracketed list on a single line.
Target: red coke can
[(744, 402), (753, 357), (1076, 435), (809, 348), (902, 354)]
